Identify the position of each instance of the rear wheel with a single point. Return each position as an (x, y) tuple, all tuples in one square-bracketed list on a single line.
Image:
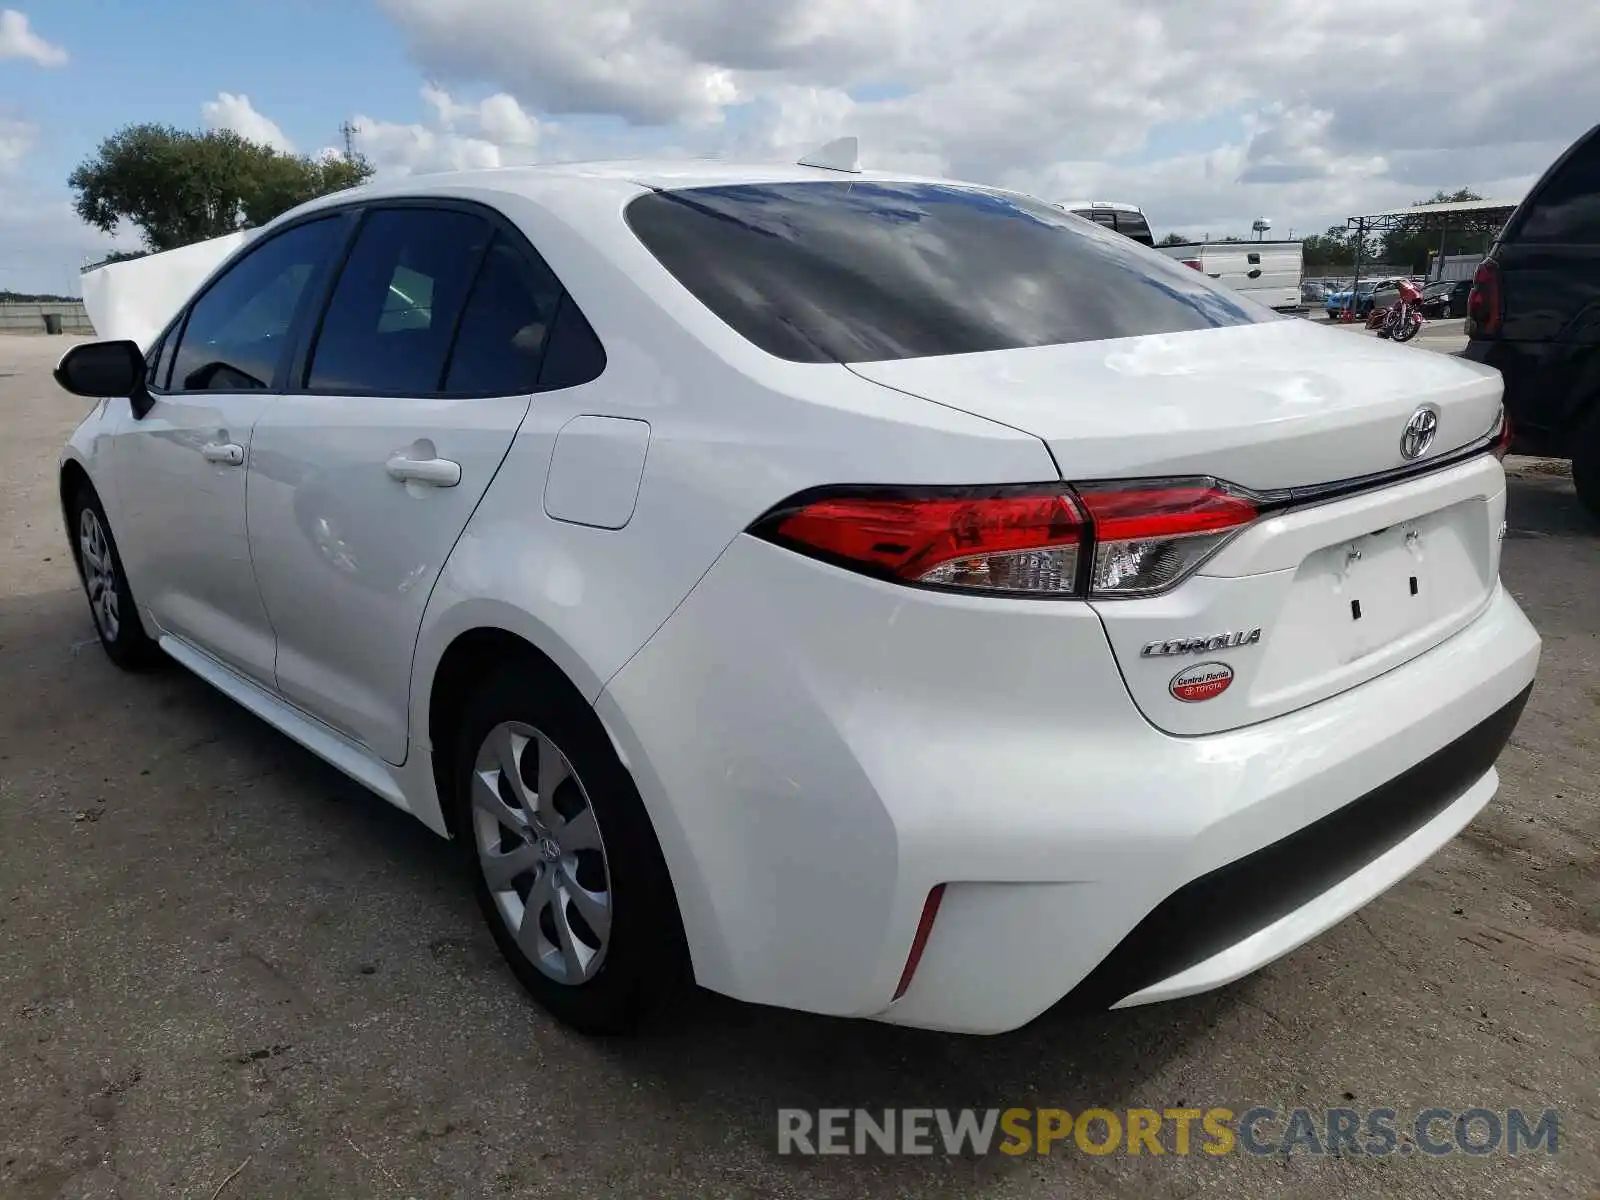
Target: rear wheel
[(111, 603), (568, 871)]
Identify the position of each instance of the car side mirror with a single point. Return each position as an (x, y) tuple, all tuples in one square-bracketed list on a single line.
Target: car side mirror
[(99, 369)]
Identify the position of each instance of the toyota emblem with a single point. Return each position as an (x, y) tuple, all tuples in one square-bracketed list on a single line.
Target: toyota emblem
[(1424, 423)]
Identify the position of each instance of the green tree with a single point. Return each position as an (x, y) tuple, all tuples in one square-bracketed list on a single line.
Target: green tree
[(284, 181), (1173, 239), (1336, 248), (176, 186)]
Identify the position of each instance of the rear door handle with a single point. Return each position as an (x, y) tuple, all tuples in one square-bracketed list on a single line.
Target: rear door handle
[(435, 472), (229, 454)]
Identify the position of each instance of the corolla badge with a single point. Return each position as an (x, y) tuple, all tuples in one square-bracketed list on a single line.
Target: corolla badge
[(1420, 431), (1201, 645)]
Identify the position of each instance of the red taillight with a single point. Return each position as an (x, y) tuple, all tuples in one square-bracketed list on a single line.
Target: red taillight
[(1131, 538), (989, 539), (1124, 511), (1150, 535), (919, 942), (1483, 301), (1193, 264), (1503, 436)]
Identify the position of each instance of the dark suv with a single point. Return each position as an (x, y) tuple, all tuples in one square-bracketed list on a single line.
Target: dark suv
[(1534, 313)]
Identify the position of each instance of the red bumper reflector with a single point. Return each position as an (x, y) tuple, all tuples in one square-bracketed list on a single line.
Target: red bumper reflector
[(930, 910)]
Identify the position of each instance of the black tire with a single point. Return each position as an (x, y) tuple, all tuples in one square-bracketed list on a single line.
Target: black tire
[(100, 569), (1586, 466), (645, 962)]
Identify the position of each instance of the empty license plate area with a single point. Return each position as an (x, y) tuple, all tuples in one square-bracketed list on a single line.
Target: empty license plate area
[(1367, 603)]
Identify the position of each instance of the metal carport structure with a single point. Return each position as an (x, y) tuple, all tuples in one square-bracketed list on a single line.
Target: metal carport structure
[(1482, 217)]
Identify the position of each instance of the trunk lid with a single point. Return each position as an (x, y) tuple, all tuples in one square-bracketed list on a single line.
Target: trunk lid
[(1274, 405), (1308, 601)]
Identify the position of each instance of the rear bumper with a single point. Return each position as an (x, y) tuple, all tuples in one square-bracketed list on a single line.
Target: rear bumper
[(1247, 912), (819, 750)]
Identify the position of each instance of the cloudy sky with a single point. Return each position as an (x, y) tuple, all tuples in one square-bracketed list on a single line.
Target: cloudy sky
[(1207, 113)]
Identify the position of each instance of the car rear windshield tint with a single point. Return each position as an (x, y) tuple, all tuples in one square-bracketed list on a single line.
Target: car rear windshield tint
[(1135, 226), (862, 272)]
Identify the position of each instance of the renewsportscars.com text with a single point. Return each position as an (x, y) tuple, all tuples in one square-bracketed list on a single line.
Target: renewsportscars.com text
[(1377, 1132)]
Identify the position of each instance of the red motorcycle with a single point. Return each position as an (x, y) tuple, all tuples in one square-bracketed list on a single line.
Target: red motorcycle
[(1402, 320)]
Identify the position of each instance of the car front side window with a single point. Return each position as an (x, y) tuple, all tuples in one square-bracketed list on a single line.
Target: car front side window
[(236, 332)]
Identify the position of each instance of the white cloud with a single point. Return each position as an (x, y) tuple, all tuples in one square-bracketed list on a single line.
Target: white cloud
[(409, 149), (229, 111), (16, 139), (1335, 107), (457, 136), (1205, 112), (42, 241), (17, 40)]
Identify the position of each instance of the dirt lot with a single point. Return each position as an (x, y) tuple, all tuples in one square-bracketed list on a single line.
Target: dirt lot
[(215, 951)]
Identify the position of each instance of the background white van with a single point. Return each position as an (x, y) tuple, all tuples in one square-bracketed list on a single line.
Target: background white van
[(1267, 272)]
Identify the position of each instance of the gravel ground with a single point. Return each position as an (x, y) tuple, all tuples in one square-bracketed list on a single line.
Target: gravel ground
[(215, 952)]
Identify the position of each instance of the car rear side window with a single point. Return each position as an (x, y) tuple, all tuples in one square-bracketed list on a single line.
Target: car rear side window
[(573, 355), (506, 324), (1567, 208), (868, 271), (392, 318), (234, 337), (1135, 226)]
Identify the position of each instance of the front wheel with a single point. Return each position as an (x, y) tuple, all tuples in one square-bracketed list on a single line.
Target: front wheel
[(105, 583), (1406, 330), (569, 874)]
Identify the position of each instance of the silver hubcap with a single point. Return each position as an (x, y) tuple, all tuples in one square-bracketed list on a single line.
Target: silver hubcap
[(541, 853), (99, 574)]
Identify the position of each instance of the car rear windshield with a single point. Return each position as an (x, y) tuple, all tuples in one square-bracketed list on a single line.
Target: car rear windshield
[(1135, 226), (866, 271)]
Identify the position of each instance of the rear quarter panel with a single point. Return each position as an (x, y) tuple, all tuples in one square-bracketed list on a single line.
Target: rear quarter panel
[(732, 431)]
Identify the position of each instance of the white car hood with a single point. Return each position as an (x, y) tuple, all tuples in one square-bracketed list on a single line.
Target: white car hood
[(135, 299), (1272, 405)]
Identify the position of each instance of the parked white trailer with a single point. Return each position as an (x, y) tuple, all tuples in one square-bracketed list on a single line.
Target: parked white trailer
[(1453, 267), (1267, 272)]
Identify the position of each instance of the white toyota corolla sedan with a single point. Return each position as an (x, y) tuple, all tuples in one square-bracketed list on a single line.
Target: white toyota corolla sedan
[(869, 595)]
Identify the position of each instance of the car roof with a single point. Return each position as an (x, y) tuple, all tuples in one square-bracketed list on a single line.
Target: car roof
[(643, 174), (574, 213), (587, 197)]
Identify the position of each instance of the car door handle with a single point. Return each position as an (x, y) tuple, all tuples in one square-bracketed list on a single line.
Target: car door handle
[(436, 472), (227, 453)]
